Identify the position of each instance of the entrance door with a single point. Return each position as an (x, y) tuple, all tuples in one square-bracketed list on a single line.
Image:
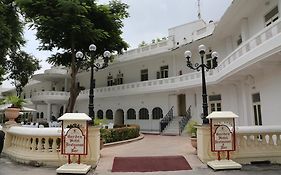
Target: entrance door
[(119, 117), (181, 105), (257, 108)]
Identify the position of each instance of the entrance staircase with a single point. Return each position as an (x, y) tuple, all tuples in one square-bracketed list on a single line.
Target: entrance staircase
[(174, 125)]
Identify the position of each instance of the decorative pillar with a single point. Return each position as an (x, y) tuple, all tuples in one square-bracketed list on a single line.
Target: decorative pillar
[(49, 109), (279, 7), (229, 45), (244, 29), (65, 84)]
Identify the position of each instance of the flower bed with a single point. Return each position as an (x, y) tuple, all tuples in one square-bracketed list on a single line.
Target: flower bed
[(120, 133)]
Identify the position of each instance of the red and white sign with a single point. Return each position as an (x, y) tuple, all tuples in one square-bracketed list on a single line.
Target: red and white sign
[(223, 139), (74, 142)]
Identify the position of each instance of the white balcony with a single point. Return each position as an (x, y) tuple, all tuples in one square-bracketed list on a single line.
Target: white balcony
[(260, 46), (50, 96), (150, 49)]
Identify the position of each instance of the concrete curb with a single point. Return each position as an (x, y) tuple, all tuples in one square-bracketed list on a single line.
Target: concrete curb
[(124, 141)]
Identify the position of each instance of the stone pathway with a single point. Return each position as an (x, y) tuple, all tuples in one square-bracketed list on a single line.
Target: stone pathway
[(151, 145)]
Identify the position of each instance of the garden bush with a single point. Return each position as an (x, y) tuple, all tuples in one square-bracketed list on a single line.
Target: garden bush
[(120, 133)]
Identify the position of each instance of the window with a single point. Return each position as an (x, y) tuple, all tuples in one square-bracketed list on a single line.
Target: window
[(109, 114), (164, 71), (109, 80), (143, 114), (257, 108), (131, 114), (271, 16), (215, 103), (157, 113), (100, 114), (144, 75), (119, 79)]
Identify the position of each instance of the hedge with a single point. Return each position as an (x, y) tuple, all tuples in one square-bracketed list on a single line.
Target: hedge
[(120, 133)]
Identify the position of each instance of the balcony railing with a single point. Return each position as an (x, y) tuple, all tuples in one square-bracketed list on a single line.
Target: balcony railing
[(42, 145), (253, 143), (145, 50), (251, 50), (247, 53), (50, 95)]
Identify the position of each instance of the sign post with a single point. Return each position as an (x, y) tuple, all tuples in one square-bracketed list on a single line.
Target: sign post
[(74, 142), (222, 130)]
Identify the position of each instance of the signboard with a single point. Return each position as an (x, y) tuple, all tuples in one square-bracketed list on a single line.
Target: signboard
[(222, 134), (74, 142), (223, 139)]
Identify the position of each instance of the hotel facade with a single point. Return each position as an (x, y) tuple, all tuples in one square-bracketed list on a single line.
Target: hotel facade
[(142, 85)]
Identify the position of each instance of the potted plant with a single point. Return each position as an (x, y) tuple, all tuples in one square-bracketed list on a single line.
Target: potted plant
[(12, 112), (192, 131)]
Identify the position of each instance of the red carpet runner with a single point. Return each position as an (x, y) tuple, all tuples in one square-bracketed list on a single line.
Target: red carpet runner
[(149, 164)]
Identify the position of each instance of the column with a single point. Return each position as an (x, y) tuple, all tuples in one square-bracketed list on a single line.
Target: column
[(49, 109), (174, 65), (279, 7), (245, 104), (229, 45), (65, 84), (244, 29), (150, 119)]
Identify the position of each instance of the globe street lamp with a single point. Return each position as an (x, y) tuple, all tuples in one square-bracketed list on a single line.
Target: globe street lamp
[(202, 66), (97, 66)]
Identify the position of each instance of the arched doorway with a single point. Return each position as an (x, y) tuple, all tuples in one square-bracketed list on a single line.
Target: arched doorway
[(119, 117)]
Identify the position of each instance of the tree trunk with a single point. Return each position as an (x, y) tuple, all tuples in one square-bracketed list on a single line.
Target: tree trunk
[(74, 88)]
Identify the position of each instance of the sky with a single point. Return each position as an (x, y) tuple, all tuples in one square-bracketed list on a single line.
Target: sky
[(149, 19)]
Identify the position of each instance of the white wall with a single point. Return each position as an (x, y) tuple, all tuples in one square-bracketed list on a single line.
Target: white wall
[(269, 86)]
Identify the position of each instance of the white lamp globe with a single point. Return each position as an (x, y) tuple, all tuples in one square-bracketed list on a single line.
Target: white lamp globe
[(187, 54), (92, 47), (202, 48), (106, 54), (79, 54), (215, 55)]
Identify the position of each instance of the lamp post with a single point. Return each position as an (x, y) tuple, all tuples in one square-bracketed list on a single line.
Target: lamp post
[(202, 66), (97, 66)]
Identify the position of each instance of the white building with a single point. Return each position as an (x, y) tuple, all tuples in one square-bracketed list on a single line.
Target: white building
[(146, 82)]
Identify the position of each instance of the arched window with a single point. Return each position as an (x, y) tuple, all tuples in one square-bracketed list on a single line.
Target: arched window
[(157, 113), (143, 114), (100, 114), (131, 114), (109, 114)]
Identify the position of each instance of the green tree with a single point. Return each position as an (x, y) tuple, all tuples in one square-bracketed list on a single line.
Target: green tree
[(11, 37), (21, 67), (71, 26)]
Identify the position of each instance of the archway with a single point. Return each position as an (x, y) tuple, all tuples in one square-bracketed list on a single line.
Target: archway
[(119, 117)]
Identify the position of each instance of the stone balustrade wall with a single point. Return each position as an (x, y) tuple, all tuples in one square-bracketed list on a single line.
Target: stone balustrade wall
[(253, 143), (41, 146)]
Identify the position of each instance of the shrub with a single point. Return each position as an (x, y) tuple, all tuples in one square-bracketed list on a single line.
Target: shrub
[(119, 134), (191, 129)]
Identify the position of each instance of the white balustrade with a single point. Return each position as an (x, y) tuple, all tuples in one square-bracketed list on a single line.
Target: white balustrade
[(43, 145), (253, 143), (234, 60), (48, 95)]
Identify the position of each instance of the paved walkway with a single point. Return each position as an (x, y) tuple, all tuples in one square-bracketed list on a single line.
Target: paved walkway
[(151, 145)]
